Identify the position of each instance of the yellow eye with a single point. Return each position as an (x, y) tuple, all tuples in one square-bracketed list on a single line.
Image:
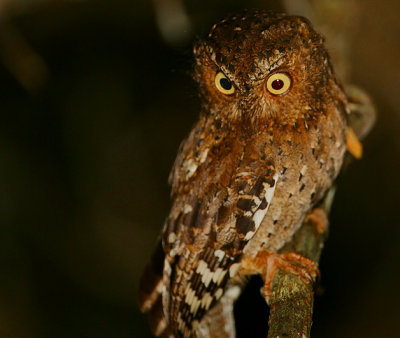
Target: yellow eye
[(279, 83), (223, 84)]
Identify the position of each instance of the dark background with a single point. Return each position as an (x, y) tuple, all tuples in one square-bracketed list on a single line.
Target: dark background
[(95, 97)]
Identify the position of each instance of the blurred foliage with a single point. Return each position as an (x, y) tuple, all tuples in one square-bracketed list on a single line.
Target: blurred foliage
[(87, 141)]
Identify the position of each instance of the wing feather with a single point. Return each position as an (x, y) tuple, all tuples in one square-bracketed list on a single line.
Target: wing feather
[(212, 237)]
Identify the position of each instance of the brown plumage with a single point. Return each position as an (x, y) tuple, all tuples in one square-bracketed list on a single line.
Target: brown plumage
[(269, 143)]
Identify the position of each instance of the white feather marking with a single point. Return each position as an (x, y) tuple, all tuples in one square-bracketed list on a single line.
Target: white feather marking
[(219, 293), (258, 217), (194, 305), (190, 293), (188, 289), (256, 200), (161, 326), (177, 248), (233, 292), (206, 277), (218, 275), (234, 269), (201, 267), (197, 306), (148, 304), (187, 208), (181, 324), (269, 193), (191, 168), (203, 155), (249, 235), (206, 274), (171, 238), (260, 213), (206, 301), (167, 267), (220, 254), (244, 173)]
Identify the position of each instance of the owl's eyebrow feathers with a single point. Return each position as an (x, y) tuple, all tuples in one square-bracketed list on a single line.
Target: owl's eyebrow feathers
[(225, 70), (265, 66)]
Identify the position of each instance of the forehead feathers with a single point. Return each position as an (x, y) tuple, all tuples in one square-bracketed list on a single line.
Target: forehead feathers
[(249, 45)]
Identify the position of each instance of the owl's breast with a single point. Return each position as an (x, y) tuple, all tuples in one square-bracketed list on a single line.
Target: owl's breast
[(307, 166)]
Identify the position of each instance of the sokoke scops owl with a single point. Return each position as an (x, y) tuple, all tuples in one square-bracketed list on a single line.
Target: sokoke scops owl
[(268, 145)]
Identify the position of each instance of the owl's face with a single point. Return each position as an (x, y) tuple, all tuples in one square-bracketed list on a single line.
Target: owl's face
[(264, 66)]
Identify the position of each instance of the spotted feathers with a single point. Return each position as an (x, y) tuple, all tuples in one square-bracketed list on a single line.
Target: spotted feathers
[(251, 168)]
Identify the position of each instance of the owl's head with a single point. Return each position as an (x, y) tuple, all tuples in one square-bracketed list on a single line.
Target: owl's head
[(259, 65)]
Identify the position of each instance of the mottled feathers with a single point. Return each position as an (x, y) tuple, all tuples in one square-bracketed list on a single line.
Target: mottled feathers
[(252, 167)]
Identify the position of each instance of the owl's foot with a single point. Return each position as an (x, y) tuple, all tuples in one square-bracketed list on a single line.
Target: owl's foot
[(293, 263), (319, 219)]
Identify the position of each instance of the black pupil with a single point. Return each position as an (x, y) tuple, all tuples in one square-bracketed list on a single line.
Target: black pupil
[(225, 83), (277, 84)]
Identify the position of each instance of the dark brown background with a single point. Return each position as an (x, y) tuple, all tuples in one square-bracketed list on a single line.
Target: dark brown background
[(94, 103)]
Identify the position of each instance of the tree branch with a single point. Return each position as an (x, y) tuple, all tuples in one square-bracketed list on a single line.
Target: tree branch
[(292, 298)]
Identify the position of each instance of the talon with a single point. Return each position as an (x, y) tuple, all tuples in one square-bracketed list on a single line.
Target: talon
[(291, 262)]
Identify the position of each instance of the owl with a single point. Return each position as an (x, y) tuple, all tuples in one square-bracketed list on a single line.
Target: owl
[(268, 144)]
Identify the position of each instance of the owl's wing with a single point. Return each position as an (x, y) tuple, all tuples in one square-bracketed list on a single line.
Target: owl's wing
[(204, 240)]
